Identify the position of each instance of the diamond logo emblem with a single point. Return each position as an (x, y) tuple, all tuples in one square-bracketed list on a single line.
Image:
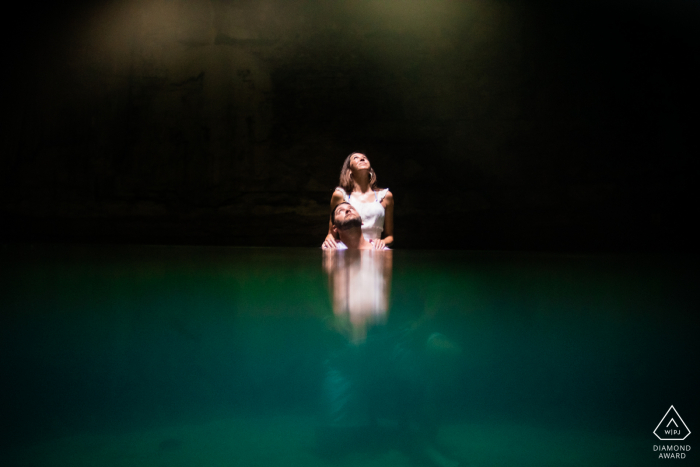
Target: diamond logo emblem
[(671, 427)]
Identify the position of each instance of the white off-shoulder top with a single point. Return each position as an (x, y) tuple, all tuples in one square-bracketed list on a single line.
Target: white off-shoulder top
[(372, 213)]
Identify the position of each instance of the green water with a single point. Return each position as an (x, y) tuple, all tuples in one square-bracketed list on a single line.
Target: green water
[(220, 356)]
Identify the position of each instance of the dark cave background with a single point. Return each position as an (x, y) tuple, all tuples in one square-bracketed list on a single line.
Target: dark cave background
[(497, 124)]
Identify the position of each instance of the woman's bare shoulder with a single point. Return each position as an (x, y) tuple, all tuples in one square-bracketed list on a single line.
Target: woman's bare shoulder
[(388, 196), (338, 196)]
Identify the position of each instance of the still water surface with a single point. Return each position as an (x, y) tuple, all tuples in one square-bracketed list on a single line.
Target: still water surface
[(121, 356)]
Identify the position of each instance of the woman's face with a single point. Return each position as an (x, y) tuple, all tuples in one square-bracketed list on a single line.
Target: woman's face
[(359, 161)]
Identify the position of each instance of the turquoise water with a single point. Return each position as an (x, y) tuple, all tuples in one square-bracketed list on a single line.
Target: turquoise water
[(227, 356)]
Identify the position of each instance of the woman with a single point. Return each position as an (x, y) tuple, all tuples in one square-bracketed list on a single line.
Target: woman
[(358, 186)]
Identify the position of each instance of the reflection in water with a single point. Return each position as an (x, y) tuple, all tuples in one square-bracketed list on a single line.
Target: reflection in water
[(125, 356), (379, 389), (359, 282)]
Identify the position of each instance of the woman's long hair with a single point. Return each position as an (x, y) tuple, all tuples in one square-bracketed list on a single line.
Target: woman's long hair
[(346, 181)]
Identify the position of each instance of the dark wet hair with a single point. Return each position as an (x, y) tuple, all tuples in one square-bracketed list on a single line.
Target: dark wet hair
[(335, 209)]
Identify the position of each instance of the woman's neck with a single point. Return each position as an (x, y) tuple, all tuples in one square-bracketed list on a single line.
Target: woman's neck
[(361, 184)]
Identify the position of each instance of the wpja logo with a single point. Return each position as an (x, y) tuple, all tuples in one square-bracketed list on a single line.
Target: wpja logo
[(671, 428)]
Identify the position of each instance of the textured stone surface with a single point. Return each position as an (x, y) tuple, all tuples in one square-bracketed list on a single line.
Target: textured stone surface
[(497, 124)]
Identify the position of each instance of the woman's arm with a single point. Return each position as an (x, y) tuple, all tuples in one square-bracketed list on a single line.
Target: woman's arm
[(388, 203), (330, 241)]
